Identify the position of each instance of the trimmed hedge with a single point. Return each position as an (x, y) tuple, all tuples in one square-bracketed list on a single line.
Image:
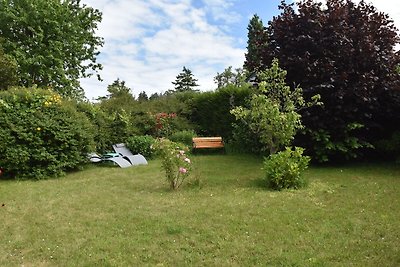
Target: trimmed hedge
[(211, 110)]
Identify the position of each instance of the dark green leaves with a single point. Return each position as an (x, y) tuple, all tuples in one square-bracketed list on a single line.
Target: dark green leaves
[(53, 42)]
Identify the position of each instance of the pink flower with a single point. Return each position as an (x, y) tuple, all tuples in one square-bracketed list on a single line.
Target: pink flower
[(181, 152), (182, 170), (187, 160)]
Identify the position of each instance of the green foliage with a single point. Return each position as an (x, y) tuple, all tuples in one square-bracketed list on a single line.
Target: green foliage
[(210, 111), (244, 140), (230, 77), (284, 169), (157, 117), (175, 163), (104, 135), (141, 144), (272, 113), (347, 146), (185, 137), (41, 135), (256, 45), (164, 125), (8, 70), (120, 115), (346, 52), (142, 96), (185, 81), (53, 42), (118, 89)]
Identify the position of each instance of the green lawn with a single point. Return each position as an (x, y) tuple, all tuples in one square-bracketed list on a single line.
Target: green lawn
[(105, 216)]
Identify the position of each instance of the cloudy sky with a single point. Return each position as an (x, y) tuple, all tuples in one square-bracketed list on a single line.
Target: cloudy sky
[(147, 42)]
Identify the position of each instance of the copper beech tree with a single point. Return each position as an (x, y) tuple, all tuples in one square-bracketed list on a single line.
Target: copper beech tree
[(344, 52)]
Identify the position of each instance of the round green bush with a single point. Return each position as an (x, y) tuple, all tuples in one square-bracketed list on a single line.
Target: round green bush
[(184, 137), (41, 135), (284, 169), (141, 144)]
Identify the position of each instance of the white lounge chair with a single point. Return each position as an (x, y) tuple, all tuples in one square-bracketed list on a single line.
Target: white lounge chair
[(120, 161), (137, 159)]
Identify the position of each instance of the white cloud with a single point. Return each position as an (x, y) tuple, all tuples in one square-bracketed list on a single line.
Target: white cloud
[(148, 42)]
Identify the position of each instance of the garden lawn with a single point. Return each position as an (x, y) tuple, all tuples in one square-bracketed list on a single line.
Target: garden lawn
[(106, 216)]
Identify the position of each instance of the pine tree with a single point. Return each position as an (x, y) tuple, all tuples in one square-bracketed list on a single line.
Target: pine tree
[(143, 96), (118, 89), (256, 45), (185, 81)]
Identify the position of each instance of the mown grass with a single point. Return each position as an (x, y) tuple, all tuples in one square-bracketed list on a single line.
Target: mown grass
[(102, 216)]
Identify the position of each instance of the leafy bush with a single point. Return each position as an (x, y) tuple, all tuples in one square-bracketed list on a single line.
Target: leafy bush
[(41, 135), (141, 144), (346, 146), (104, 136), (184, 137), (175, 163), (284, 169), (272, 113), (164, 124), (244, 140)]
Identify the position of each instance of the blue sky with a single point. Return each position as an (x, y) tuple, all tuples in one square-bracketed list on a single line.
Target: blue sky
[(147, 42)]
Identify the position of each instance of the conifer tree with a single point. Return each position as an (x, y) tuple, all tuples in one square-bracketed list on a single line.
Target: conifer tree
[(256, 45), (185, 81)]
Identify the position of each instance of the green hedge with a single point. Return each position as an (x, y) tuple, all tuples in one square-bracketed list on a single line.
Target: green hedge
[(211, 110)]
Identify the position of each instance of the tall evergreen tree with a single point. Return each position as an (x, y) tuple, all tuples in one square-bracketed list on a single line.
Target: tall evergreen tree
[(185, 81), (256, 45), (118, 89), (142, 96)]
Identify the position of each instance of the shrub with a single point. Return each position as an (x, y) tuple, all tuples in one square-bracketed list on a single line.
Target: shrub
[(105, 136), (284, 169), (141, 144), (164, 124), (348, 146), (184, 137), (175, 163), (244, 140), (41, 135)]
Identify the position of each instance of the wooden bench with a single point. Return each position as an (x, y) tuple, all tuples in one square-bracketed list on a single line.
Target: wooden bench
[(207, 142)]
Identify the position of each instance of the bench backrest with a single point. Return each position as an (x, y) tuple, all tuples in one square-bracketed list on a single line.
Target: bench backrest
[(207, 142)]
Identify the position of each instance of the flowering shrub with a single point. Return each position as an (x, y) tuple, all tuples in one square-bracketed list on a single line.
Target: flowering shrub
[(41, 135), (164, 124), (175, 163)]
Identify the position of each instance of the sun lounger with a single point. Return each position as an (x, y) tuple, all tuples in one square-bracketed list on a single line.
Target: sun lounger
[(120, 161), (127, 154)]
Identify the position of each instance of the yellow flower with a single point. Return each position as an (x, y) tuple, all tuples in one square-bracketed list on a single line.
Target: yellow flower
[(38, 128)]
